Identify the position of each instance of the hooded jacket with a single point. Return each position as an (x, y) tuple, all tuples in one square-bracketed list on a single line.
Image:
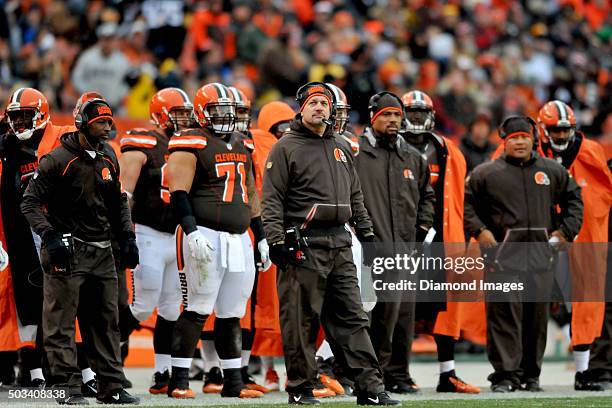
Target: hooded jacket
[(310, 181), (82, 194), (396, 189)]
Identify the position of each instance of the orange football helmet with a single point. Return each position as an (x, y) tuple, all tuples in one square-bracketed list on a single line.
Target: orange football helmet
[(214, 108), (243, 109), (342, 108), (556, 117), (25, 106), (164, 102), (420, 113)]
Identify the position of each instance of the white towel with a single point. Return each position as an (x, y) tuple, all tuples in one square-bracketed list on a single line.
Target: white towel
[(232, 253)]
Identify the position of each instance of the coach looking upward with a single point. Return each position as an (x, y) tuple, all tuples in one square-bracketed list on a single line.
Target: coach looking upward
[(78, 184), (513, 199), (310, 184)]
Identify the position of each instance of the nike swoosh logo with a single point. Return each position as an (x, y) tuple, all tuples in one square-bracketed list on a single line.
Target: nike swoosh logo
[(297, 399), (374, 400), (116, 397)]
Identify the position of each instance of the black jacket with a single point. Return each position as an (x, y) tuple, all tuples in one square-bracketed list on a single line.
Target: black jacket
[(311, 181), (82, 195), (475, 155), (396, 189), (505, 195)]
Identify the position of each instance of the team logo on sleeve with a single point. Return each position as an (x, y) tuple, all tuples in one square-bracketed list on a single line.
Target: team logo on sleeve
[(106, 174), (541, 178), (339, 155), (408, 174)]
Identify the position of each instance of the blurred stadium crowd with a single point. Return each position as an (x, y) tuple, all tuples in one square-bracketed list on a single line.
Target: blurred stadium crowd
[(480, 60)]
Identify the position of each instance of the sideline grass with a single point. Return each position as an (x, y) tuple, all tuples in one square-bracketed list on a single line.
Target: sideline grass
[(586, 402)]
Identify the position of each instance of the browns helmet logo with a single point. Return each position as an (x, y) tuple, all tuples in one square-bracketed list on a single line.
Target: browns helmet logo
[(339, 155), (106, 174), (541, 178)]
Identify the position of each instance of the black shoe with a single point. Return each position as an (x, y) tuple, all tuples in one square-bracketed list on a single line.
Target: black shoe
[(303, 398), (400, 387), (213, 381), (119, 397), (76, 399), (160, 383), (582, 382), (532, 385), (37, 383), (90, 389), (382, 398), (503, 387)]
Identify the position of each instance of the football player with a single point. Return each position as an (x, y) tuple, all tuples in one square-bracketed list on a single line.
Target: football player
[(29, 135), (144, 178), (447, 174), (214, 199)]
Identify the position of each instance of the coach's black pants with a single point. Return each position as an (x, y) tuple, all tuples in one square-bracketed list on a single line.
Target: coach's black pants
[(87, 290), (517, 327), (323, 290)]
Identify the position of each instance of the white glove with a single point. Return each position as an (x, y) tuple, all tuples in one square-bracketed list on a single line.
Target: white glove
[(264, 253), (4, 258), (201, 252)]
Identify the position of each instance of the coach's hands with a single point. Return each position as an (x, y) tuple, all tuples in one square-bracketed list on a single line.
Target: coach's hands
[(279, 254), (129, 251), (264, 255), (368, 244), (4, 258), (201, 250), (59, 254)]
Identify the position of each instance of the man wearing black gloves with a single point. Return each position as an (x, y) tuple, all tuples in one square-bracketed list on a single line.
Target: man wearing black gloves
[(74, 202), (400, 200), (310, 191)]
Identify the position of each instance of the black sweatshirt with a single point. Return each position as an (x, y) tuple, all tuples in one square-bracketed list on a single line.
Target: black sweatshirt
[(82, 195)]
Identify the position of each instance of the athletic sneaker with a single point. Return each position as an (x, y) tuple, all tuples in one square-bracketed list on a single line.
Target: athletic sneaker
[(303, 398), (160, 383), (249, 381), (213, 381), (321, 391), (182, 393), (332, 384), (381, 398), (403, 387), (76, 399), (119, 398), (531, 385), (582, 382), (271, 380), (90, 389), (449, 382)]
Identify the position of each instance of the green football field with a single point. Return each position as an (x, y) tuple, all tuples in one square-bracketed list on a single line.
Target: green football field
[(595, 402)]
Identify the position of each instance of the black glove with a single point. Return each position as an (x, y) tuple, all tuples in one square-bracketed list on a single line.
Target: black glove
[(59, 253), (368, 243), (129, 251), (421, 234), (279, 254)]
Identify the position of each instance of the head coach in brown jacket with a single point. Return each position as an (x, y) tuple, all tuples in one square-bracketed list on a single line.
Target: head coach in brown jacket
[(310, 184)]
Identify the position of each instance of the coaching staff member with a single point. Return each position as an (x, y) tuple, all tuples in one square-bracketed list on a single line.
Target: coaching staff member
[(514, 199), (76, 191), (310, 183), (400, 200)]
